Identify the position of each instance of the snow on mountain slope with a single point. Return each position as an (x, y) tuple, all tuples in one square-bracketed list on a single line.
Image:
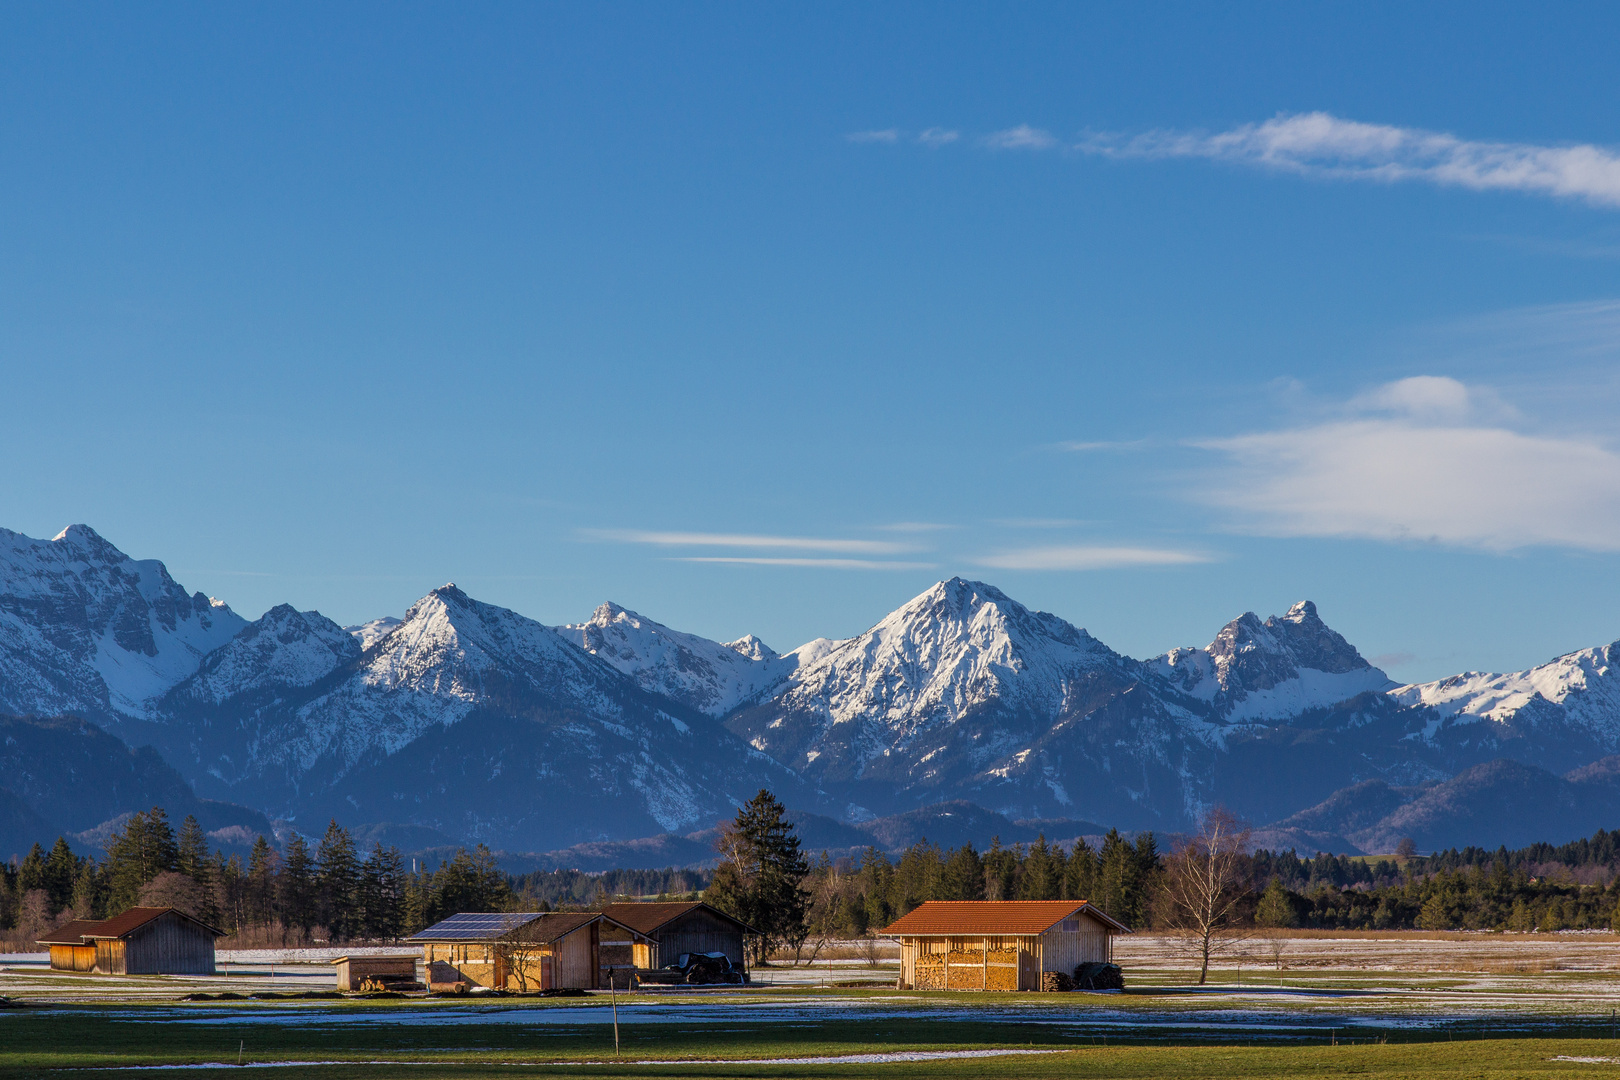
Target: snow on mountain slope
[(448, 652), (901, 690), (703, 674), (1270, 671), (1584, 686), (283, 648), (369, 633), (473, 718), (84, 628)]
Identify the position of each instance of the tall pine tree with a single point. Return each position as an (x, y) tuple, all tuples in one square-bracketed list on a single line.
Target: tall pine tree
[(142, 850), (760, 879), (260, 901), (295, 886), (338, 883), (382, 894)]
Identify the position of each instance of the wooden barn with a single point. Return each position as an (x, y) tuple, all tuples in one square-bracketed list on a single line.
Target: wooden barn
[(1000, 944), (140, 941), (514, 950), (655, 933)]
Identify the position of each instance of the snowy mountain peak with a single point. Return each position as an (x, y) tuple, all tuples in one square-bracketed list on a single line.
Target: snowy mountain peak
[(1300, 612), (703, 674), (86, 629), (284, 647), (753, 648), (1586, 683), (959, 648), (369, 633), (1280, 667)]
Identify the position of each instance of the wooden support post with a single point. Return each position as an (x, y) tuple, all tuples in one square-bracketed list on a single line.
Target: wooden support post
[(985, 957)]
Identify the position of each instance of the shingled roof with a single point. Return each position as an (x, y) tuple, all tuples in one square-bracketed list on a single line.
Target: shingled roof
[(995, 918), (649, 918), (69, 933), (84, 931)]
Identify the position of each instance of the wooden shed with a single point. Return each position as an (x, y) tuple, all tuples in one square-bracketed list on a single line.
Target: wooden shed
[(354, 970), (69, 950), (139, 941), (514, 950), (655, 934), (999, 944)]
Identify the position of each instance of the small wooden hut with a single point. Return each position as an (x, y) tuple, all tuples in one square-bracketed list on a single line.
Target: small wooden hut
[(655, 934), (69, 950), (514, 950), (139, 941), (999, 944), (354, 970)]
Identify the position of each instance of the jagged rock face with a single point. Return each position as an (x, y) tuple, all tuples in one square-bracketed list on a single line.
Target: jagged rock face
[(85, 629), (1272, 670), (705, 675)]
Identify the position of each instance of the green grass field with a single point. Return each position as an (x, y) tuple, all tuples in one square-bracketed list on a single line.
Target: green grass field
[(1176, 1038)]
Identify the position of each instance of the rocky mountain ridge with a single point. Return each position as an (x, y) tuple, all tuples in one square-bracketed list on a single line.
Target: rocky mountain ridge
[(474, 721)]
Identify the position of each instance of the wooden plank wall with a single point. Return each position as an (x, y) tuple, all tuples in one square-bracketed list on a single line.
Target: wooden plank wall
[(169, 945), (699, 932), (576, 963)]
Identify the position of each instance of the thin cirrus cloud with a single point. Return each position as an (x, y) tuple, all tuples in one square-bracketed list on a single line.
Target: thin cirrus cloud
[(826, 564), (750, 540), (1323, 145), (1425, 459), (1320, 144), (1022, 137), (886, 135), (1088, 557)]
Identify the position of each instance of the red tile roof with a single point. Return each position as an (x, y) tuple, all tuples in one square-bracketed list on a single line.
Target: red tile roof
[(994, 918)]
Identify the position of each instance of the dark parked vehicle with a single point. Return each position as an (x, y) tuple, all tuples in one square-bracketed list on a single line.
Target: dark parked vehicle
[(713, 967)]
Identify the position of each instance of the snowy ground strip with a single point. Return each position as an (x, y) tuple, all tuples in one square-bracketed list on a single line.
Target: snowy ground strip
[(839, 1059)]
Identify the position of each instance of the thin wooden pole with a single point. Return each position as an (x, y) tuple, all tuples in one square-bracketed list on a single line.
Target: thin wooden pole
[(985, 957), (613, 991)]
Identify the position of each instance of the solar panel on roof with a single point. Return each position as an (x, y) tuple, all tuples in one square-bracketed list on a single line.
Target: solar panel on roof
[(475, 925)]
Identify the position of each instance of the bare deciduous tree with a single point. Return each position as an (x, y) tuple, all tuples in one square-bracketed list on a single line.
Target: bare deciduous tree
[(1206, 883), (521, 954)]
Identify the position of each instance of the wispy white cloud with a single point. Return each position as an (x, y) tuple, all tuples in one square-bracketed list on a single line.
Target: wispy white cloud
[(915, 527), (1320, 144), (1039, 523), (938, 136), (1425, 459), (829, 564), (749, 540), (1084, 447), (887, 135), (1088, 557), (1022, 137)]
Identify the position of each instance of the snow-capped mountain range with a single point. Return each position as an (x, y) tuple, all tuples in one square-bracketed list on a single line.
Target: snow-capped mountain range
[(481, 723)]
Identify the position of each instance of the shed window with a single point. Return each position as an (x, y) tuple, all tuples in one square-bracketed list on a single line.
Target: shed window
[(1069, 926)]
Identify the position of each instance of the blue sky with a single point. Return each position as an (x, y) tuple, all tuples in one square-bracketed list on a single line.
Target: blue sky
[(759, 318)]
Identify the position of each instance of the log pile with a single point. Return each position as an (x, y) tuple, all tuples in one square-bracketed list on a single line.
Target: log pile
[(1056, 982), (930, 972)]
